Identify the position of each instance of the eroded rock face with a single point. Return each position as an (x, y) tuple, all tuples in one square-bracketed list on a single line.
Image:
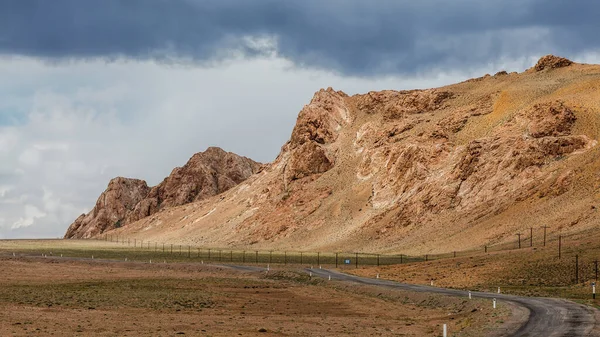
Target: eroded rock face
[(551, 62), (120, 198), (317, 127), (127, 200), (206, 174)]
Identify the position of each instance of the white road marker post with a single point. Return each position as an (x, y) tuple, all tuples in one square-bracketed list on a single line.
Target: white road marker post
[(320, 267), (150, 261), (470, 294), (594, 290), (60, 255), (377, 275), (432, 283), (268, 267), (498, 290), (310, 274), (494, 303), (329, 277), (13, 254), (445, 330), (92, 257)]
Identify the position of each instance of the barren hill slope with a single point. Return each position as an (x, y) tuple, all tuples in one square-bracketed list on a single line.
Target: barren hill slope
[(416, 171)]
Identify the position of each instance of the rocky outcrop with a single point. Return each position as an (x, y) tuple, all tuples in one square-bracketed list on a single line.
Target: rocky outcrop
[(206, 174), (113, 205), (127, 200), (551, 62), (319, 123)]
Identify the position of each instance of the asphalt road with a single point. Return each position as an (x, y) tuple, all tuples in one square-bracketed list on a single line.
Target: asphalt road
[(548, 317)]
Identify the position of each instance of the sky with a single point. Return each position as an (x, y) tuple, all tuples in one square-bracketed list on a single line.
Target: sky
[(91, 90)]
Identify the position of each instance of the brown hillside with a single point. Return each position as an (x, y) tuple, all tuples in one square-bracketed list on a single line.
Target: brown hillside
[(419, 171)]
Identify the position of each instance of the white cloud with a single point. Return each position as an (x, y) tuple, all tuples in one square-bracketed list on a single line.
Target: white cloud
[(30, 214), (84, 123)]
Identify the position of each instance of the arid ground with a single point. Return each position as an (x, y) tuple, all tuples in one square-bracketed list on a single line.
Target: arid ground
[(43, 294)]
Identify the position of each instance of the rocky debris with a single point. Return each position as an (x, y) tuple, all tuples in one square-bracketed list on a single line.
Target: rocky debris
[(398, 104), (127, 200), (120, 197), (551, 62), (550, 119), (501, 73)]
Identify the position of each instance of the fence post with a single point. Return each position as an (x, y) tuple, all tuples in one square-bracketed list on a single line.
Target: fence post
[(179, 249), (171, 248), (300, 257), (454, 253), (426, 257), (284, 257), (256, 256), (189, 251), (377, 260), (231, 256), (270, 256), (485, 249), (336, 257), (400, 258), (559, 244), (530, 236), (544, 227), (198, 252), (318, 259), (220, 254), (209, 254), (356, 260), (519, 235)]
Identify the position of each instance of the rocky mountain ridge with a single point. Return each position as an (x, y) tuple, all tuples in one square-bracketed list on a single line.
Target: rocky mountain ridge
[(128, 200), (431, 170)]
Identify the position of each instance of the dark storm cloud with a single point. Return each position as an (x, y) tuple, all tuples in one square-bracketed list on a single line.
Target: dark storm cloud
[(350, 36)]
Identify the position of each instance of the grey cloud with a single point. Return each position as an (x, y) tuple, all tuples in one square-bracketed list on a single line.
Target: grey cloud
[(351, 37)]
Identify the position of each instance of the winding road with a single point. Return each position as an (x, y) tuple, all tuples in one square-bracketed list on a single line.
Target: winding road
[(548, 317)]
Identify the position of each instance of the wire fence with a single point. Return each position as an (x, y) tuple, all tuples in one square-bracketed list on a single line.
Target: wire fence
[(573, 261)]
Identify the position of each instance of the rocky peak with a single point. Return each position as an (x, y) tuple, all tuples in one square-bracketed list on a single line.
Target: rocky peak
[(317, 127), (125, 200), (119, 198), (551, 62)]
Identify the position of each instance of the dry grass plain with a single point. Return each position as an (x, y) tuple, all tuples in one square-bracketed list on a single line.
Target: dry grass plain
[(71, 296)]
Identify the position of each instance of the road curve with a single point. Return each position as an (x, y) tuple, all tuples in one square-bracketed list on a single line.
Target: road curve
[(548, 317)]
